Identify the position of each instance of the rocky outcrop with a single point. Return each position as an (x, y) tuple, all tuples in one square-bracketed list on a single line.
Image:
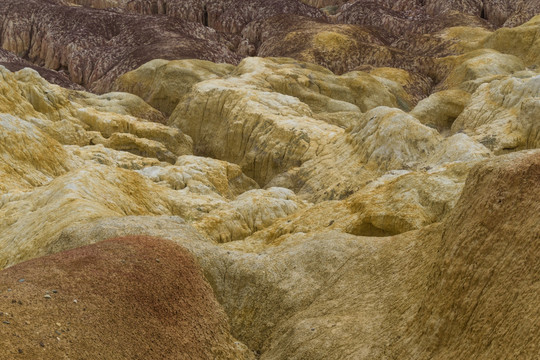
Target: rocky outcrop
[(45, 160), (395, 203), (503, 114), (57, 137), (398, 21), (306, 107), (115, 120), (441, 109), (162, 83), (14, 63), (521, 41), (84, 301), (287, 298), (105, 44), (481, 288)]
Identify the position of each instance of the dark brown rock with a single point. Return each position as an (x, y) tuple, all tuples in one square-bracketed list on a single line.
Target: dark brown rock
[(496, 12), (14, 63), (95, 46), (229, 16)]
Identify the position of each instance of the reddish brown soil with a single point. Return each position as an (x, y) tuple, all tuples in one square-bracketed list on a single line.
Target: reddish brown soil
[(125, 298)]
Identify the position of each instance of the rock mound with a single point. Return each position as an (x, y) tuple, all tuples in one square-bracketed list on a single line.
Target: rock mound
[(133, 297)]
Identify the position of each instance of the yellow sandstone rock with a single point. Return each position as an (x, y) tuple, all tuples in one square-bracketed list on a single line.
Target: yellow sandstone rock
[(162, 83), (503, 114)]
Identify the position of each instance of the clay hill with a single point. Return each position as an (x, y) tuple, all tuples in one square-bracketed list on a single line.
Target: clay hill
[(132, 297), (281, 179)]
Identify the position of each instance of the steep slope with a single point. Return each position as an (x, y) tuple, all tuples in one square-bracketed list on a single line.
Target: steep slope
[(486, 272), (95, 46)]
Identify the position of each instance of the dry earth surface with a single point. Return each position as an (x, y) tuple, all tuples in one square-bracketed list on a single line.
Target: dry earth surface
[(280, 179), (132, 298)]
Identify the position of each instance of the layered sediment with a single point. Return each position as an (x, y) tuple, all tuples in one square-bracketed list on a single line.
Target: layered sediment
[(281, 179)]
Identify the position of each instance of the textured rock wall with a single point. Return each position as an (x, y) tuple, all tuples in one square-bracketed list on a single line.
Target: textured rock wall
[(96, 46), (107, 44)]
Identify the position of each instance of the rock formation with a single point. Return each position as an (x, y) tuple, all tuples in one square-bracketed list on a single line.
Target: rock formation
[(14, 63), (127, 297), (481, 287), (354, 179), (110, 39), (105, 44)]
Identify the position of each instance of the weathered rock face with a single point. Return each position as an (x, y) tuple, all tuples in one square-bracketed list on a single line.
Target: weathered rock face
[(116, 120), (331, 5), (33, 169), (503, 114), (226, 16), (379, 211), (15, 63), (57, 137), (81, 303), (235, 117), (339, 47), (397, 202), (485, 270), (162, 83), (495, 12), (105, 44), (498, 13), (110, 39)]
